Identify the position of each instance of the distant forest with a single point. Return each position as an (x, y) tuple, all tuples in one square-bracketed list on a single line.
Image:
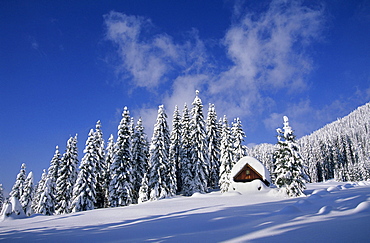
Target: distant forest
[(197, 155), (339, 150)]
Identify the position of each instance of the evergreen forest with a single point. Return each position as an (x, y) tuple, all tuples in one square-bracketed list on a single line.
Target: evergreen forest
[(195, 156)]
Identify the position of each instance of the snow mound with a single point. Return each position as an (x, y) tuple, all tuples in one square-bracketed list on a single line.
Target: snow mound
[(349, 185), (346, 186), (303, 202), (314, 197), (266, 216), (275, 192), (333, 189), (253, 186), (320, 192), (325, 210), (362, 207), (289, 210), (198, 194), (231, 194)]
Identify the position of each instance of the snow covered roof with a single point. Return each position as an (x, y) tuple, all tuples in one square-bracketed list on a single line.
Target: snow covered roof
[(255, 164)]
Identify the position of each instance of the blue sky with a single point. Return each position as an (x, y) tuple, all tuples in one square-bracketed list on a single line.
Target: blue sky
[(66, 64)]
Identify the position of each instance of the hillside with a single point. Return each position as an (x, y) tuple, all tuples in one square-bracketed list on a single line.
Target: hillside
[(339, 150), (331, 212)]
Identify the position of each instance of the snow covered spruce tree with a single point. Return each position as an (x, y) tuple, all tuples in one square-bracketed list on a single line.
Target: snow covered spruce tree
[(12, 207), (144, 190), (226, 157), (100, 166), (140, 156), (289, 173), (38, 191), (238, 136), (186, 183), (46, 194), (54, 168), (67, 175), (121, 184), (17, 189), (84, 190), (213, 141), (176, 145), (199, 148), (46, 202), (161, 175), (27, 196), (109, 159)]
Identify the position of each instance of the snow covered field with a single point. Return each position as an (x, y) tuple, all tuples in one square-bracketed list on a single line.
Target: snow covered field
[(331, 212)]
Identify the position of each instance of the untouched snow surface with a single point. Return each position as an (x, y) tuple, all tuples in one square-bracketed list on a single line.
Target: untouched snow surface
[(331, 212)]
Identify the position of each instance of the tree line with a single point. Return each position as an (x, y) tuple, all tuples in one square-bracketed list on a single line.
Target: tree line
[(195, 156)]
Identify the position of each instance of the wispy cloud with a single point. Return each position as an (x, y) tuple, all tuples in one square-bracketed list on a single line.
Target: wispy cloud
[(267, 52), (148, 61)]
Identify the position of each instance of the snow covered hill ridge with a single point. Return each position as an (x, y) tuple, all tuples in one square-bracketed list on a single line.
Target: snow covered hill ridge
[(330, 212), (339, 150)]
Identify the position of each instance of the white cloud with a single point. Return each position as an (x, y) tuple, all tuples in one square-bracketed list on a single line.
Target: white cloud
[(184, 90), (146, 62), (302, 118), (267, 53)]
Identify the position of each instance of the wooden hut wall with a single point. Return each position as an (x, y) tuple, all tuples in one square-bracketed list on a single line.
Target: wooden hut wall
[(247, 174)]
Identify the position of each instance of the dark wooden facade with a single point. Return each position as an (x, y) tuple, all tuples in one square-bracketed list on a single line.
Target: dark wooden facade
[(248, 174)]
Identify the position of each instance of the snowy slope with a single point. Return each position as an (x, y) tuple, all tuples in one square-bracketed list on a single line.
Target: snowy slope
[(332, 212)]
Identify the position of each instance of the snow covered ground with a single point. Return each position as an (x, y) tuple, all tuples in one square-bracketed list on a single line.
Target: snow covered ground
[(331, 212)]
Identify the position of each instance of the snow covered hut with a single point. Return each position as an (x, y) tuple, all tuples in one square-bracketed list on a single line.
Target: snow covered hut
[(249, 173)]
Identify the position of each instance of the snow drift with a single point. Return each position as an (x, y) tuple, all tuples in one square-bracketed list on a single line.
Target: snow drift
[(325, 215)]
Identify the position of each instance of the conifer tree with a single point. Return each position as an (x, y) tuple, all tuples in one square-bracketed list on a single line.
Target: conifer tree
[(27, 196), (84, 190), (52, 186), (159, 182), (139, 157), (12, 206), (238, 136), (226, 157), (17, 190), (39, 191), (100, 166), (46, 202), (109, 159), (199, 147), (185, 163), (176, 145), (213, 141), (132, 129), (67, 175), (144, 190), (54, 166), (290, 172), (121, 184)]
